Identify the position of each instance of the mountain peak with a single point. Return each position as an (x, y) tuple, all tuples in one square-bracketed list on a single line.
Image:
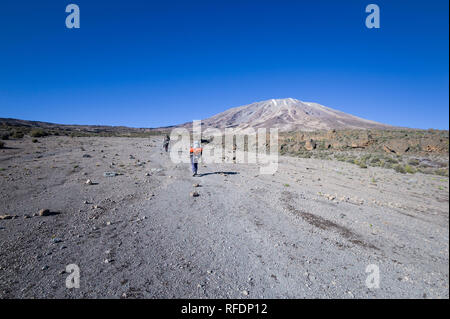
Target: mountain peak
[(277, 102), (288, 114)]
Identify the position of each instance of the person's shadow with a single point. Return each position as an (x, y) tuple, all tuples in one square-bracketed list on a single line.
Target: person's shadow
[(218, 173)]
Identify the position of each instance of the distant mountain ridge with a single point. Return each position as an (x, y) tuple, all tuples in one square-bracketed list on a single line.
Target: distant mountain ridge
[(7, 124)]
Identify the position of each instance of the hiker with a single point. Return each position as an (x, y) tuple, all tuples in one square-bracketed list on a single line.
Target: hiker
[(166, 143), (195, 153)]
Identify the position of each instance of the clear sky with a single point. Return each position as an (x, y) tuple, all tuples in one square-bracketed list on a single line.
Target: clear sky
[(155, 63)]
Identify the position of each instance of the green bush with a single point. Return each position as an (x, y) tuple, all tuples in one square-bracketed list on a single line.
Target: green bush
[(409, 169), (414, 162), (38, 133), (441, 172), (34, 140), (18, 135), (2, 144), (302, 154), (399, 168), (365, 158), (376, 161), (362, 164), (5, 136)]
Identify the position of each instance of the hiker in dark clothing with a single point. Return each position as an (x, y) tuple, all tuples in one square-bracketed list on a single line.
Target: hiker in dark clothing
[(166, 143)]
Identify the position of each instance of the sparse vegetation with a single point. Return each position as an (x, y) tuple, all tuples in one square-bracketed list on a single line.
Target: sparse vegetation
[(17, 134), (409, 169), (2, 144), (38, 133), (399, 168), (406, 151), (441, 172), (414, 162)]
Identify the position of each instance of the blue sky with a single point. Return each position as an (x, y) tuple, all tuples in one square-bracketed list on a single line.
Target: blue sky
[(156, 63)]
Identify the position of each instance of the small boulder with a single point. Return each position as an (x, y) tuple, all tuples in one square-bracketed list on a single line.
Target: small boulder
[(44, 212), (110, 174), (310, 145)]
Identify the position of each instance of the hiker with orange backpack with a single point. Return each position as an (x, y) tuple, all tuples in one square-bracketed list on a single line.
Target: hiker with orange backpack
[(195, 153)]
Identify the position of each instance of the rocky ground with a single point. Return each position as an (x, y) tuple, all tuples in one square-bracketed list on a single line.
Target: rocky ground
[(308, 231)]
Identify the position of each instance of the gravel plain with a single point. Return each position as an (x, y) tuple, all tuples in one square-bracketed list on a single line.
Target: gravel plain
[(308, 231)]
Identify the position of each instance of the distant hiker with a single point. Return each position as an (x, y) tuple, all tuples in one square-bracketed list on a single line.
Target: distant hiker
[(195, 154), (166, 143)]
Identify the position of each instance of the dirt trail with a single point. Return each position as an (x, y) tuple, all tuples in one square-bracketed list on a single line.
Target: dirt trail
[(309, 230)]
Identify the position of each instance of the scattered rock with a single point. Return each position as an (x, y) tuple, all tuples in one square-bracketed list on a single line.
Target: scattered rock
[(6, 217), (86, 156), (110, 174), (44, 212), (194, 194), (245, 292), (388, 149), (310, 145), (195, 185), (89, 182)]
